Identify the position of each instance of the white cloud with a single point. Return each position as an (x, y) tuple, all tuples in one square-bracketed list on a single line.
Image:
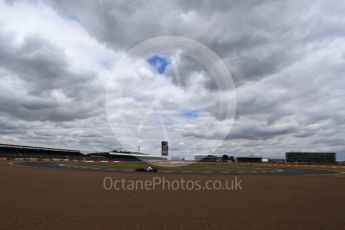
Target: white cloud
[(287, 60)]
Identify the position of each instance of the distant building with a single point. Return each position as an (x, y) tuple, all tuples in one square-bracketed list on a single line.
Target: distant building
[(249, 159), (279, 161), (206, 158), (311, 157)]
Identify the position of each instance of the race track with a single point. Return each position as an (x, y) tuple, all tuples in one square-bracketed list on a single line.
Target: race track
[(267, 171)]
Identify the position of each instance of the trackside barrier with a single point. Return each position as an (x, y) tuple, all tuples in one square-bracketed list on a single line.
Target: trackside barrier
[(3, 159), (56, 159), (304, 166), (98, 161), (18, 159), (112, 161)]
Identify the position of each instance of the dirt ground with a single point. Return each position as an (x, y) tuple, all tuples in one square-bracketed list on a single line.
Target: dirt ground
[(69, 199)]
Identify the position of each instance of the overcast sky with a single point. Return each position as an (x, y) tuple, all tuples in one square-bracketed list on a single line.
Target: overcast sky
[(286, 59)]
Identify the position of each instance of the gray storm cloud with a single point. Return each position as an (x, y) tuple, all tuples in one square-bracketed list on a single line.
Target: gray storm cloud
[(287, 59)]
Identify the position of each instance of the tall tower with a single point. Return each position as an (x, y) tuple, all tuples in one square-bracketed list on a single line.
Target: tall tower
[(165, 148)]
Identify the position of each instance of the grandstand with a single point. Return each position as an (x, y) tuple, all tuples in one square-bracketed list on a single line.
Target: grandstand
[(311, 157), (22, 151), (123, 156)]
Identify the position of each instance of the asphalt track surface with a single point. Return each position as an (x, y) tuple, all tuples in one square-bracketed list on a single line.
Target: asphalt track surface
[(267, 171)]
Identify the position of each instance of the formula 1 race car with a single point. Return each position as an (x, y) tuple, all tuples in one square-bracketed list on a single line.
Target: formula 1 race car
[(147, 169)]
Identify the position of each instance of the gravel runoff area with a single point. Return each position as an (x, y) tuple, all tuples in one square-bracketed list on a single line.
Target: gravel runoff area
[(51, 198)]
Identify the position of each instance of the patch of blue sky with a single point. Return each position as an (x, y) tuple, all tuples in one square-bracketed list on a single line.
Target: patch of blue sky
[(106, 65), (74, 18), (136, 98), (191, 114), (158, 63)]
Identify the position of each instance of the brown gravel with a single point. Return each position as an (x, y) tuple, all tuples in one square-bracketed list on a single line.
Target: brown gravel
[(69, 199)]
